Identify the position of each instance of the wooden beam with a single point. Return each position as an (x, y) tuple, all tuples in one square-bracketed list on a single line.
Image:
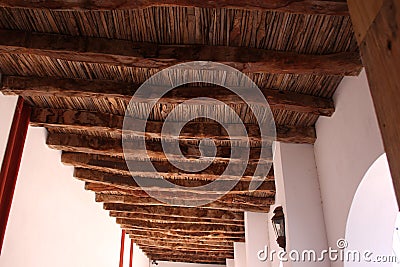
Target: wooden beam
[(150, 55), (183, 233), (181, 248), (213, 228), (51, 86), (188, 254), (379, 24), (221, 203), (206, 242), (143, 197), (336, 7), (96, 121), (187, 258), (127, 182), (179, 212), (11, 162), (181, 244), (160, 218), (154, 149), (164, 168)]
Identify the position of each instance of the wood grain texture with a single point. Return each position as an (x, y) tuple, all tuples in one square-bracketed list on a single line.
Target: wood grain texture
[(363, 15), (154, 149), (178, 212), (215, 228), (142, 197), (163, 168), (149, 55), (160, 218), (228, 202), (45, 86), (336, 7), (380, 51), (97, 121), (128, 183)]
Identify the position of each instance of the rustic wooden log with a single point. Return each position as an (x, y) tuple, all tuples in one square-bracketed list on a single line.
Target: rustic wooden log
[(324, 7), (159, 218), (214, 228), (51, 86), (180, 212), (144, 197), (150, 55), (154, 149), (263, 206), (164, 168), (127, 182)]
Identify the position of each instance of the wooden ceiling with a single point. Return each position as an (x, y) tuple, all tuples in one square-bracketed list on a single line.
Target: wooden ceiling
[(79, 62)]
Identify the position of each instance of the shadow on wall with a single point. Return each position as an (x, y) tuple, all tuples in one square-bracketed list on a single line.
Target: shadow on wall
[(371, 221)]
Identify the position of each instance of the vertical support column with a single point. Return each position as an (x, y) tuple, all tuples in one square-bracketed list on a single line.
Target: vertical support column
[(230, 262), (131, 254), (121, 252), (305, 226), (240, 254), (11, 162), (377, 27), (256, 232)]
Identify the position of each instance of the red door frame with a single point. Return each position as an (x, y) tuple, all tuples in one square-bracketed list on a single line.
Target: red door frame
[(12, 161)]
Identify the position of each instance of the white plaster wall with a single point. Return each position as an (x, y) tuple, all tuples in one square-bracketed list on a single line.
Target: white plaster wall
[(257, 237), (53, 220), (347, 144), (230, 263), (240, 254), (372, 217), (305, 227)]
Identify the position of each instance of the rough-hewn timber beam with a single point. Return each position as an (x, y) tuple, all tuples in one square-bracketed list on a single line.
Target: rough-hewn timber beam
[(228, 199), (96, 121), (189, 212), (164, 168), (201, 238), (127, 182), (259, 205), (214, 228), (148, 55), (34, 86), (336, 7), (186, 258), (181, 247), (206, 242), (189, 254), (159, 218), (154, 149), (183, 233), (182, 244)]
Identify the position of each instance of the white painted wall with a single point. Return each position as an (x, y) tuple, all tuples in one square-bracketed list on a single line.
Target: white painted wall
[(53, 220), (347, 145), (230, 263), (240, 254), (372, 216), (257, 237), (305, 227)]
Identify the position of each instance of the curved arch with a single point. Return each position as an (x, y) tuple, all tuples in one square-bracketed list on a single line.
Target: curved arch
[(372, 215)]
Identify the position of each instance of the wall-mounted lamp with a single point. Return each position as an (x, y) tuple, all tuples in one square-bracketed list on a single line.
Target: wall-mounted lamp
[(278, 221)]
